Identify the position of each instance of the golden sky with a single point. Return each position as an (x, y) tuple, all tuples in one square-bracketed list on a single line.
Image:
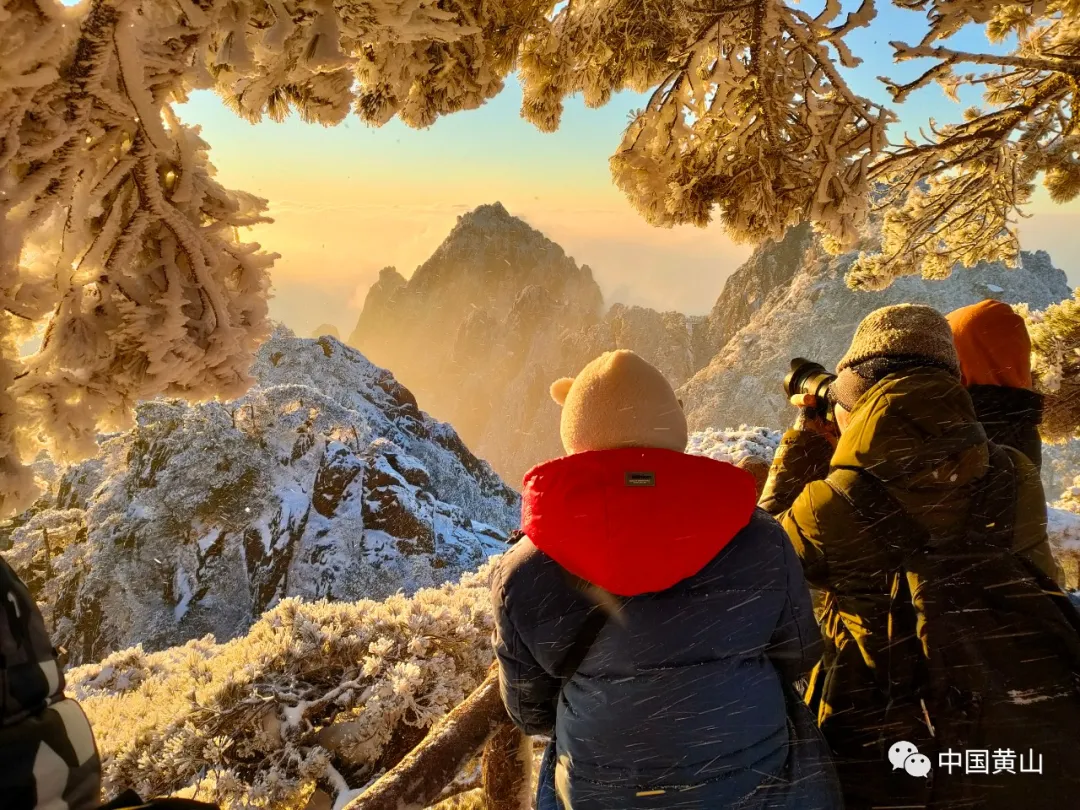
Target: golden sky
[(349, 200)]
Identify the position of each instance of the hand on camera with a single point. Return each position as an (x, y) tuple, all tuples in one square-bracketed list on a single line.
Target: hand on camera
[(810, 418)]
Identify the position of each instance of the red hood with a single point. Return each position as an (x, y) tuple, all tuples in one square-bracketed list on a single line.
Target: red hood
[(637, 520)]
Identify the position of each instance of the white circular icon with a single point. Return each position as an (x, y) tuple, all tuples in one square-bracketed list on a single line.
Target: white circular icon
[(899, 752)]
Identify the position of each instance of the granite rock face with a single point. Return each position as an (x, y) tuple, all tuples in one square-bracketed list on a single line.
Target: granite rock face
[(324, 481), (803, 308), (497, 313)]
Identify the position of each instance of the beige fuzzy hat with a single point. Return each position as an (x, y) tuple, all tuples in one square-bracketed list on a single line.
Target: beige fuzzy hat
[(903, 331), (619, 400)]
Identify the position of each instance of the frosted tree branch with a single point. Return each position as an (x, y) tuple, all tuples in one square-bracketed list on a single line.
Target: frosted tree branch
[(118, 249), (123, 255)]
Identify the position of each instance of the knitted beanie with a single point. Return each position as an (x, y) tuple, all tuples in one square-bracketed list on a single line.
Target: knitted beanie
[(993, 344), (903, 330), (619, 400), (889, 340)]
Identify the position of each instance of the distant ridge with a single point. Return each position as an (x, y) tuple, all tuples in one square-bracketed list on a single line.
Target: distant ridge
[(499, 311)]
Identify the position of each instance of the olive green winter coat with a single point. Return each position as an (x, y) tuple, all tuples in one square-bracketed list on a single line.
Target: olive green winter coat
[(916, 433)]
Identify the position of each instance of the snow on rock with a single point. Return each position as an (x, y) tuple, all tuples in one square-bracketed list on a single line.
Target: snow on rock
[(1063, 527), (803, 308), (324, 481), (311, 688), (499, 312), (735, 445)]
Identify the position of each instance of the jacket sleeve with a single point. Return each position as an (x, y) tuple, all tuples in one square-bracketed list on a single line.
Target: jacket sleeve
[(528, 691), (810, 524), (796, 643), (803, 456), (1029, 534)]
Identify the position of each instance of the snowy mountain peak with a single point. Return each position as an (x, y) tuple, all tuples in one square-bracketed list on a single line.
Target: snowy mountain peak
[(325, 481), (488, 211), (495, 248), (498, 312)]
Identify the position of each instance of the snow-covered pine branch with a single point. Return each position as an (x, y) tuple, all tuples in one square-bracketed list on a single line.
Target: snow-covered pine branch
[(954, 196), (122, 253), (748, 114), (118, 249), (317, 696), (1055, 356)]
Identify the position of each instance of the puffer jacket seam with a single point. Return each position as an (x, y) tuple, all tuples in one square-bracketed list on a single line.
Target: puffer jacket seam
[(646, 671)]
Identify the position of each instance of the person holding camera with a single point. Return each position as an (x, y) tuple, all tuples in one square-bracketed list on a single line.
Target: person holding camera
[(943, 627)]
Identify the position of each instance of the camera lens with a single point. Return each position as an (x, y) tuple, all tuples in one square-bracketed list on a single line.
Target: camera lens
[(808, 377)]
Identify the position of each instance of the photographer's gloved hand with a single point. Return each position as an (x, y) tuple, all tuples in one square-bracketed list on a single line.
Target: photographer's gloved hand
[(809, 419), (803, 456)]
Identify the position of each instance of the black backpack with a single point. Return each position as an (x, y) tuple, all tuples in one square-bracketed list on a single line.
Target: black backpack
[(975, 630)]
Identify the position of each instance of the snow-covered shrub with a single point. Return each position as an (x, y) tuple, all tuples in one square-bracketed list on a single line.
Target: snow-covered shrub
[(316, 695), (735, 445), (1060, 464)]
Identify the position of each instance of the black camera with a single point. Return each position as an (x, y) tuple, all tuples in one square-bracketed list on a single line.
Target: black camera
[(808, 377)]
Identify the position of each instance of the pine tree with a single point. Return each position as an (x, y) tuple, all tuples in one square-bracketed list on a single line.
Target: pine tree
[(954, 197), (118, 249), (1055, 352), (122, 254)]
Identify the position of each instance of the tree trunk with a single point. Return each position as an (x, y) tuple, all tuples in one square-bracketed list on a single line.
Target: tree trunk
[(507, 769), (417, 780)]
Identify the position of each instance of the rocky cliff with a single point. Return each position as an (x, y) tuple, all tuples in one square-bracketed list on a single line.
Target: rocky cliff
[(324, 481), (497, 313), (803, 308)]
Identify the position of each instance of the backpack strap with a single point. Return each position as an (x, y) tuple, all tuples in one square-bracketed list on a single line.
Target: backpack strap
[(992, 520), (881, 516)]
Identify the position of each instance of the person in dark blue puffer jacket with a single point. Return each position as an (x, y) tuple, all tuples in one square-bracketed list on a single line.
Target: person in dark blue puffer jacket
[(683, 695)]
